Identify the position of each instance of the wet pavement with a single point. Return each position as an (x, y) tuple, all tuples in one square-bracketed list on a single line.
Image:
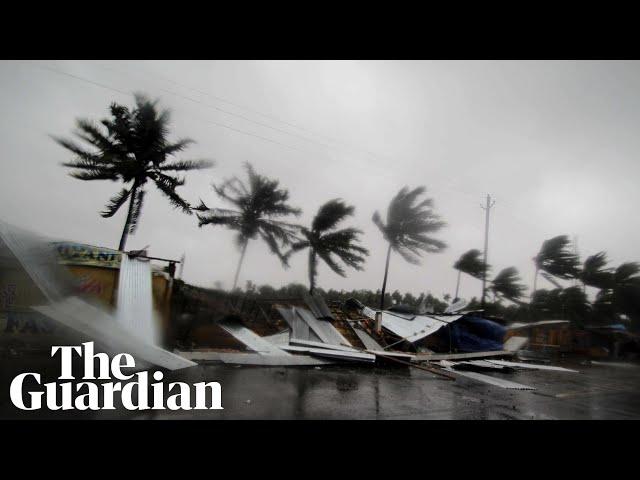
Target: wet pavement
[(603, 391), (343, 392)]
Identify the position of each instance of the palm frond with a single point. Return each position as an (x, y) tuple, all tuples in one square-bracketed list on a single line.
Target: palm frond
[(508, 284), (115, 203), (410, 221), (331, 214), (556, 258), (186, 165), (471, 263), (167, 185)]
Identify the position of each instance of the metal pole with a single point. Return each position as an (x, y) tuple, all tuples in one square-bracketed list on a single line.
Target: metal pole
[(487, 209)]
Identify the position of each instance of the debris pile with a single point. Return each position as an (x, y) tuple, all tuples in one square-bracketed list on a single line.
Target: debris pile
[(308, 331)]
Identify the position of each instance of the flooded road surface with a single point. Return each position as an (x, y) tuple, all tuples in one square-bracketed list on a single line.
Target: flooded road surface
[(343, 392), (599, 391)]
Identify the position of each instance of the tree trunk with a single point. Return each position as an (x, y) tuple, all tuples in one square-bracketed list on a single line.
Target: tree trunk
[(312, 270), (244, 249), (457, 286), (535, 283), (384, 282), (125, 231)]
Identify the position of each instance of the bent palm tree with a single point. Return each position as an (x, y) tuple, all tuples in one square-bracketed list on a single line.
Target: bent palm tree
[(470, 263), (594, 273), (507, 284), (324, 241), (258, 206), (556, 259), (132, 148), (409, 223)]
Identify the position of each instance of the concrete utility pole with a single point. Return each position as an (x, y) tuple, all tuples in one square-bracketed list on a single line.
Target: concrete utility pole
[(487, 208)]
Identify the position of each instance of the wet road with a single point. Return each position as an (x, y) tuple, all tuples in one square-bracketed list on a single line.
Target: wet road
[(610, 391), (339, 392)]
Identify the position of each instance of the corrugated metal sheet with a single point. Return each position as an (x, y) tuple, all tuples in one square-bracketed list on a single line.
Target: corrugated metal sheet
[(532, 366), (413, 330), (281, 338), (368, 341), (498, 382), (255, 359), (318, 307), (322, 328), (134, 305), (299, 328), (103, 328), (308, 343), (336, 354), (515, 343), (250, 339)]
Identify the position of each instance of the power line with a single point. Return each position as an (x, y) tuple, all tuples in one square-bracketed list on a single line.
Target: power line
[(101, 85), (331, 139), (214, 107)]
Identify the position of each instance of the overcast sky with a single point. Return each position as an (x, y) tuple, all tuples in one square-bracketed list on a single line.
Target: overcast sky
[(555, 143)]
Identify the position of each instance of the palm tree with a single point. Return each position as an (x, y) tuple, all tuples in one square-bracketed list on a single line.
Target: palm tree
[(556, 258), (324, 240), (409, 223), (131, 147), (507, 284), (258, 206), (470, 263), (594, 273), (624, 294)]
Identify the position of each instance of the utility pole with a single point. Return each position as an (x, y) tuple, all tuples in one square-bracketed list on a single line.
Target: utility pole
[(487, 209)]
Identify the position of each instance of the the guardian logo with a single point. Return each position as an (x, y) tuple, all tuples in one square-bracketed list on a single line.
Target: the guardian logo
[(88, 395)]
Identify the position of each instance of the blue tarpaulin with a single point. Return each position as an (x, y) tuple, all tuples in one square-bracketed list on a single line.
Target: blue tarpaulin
[(476, 334)]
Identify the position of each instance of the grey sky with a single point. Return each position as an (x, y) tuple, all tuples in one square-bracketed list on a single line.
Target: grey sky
[(556, 143)]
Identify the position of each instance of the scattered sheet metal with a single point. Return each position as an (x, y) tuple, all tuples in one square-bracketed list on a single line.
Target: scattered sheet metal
[(253, 359), (326, 332), (250, 339), (498, 382), (515, 343), (426, 357), (614, 364), (318, 307), (335, 354), (278, 339), (377, 352), (408, 357), (457, 306), (480, 364), (542, 323), (413, 330), (309, 343), (367, 340), (100, 326), (299, 328), (402, 315), (135, 299), (532, 366)]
